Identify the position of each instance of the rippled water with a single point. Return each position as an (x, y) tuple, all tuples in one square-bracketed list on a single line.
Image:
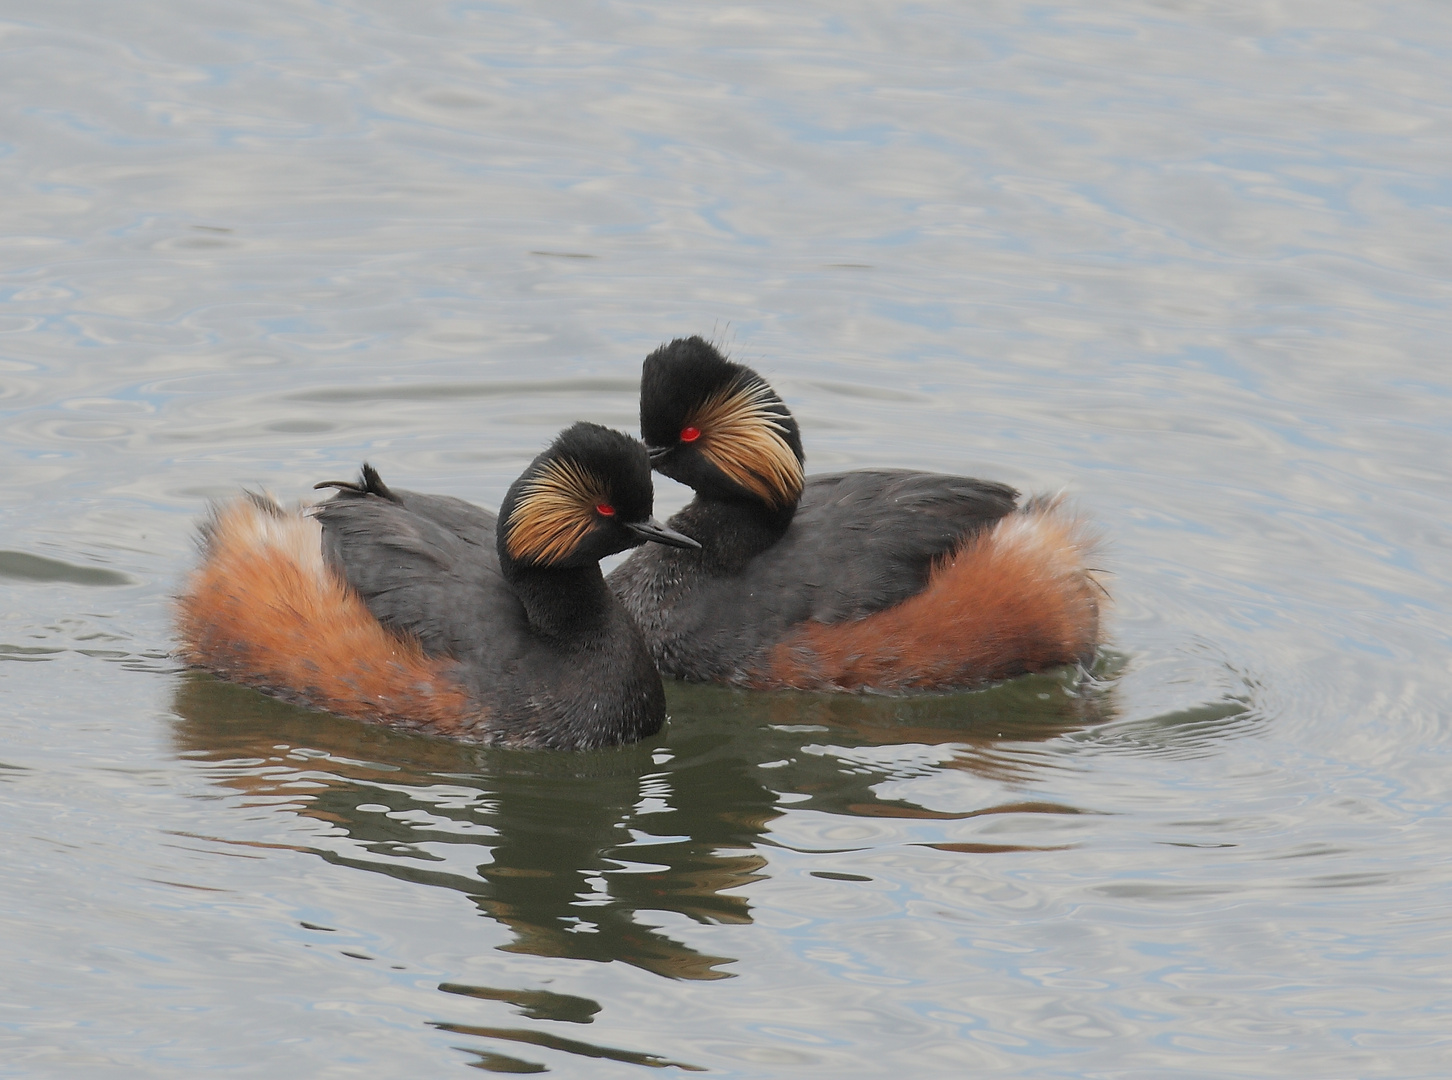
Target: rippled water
[(1188, 261)]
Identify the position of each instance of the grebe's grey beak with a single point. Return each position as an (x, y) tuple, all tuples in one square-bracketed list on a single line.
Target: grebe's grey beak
[(650, 529)]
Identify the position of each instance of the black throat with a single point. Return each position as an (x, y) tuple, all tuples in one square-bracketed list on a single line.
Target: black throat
[(731, 532), (562, 602)]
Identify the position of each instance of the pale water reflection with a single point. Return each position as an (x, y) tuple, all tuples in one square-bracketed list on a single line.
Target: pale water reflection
[(1188, 262)]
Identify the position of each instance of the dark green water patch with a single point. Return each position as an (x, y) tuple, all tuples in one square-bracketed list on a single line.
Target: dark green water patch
[(535, 1004), (569, 1046), (23, 566)]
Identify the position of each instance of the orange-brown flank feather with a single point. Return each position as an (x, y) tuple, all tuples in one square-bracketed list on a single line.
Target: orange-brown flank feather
[(1016, 598), (263, 609)]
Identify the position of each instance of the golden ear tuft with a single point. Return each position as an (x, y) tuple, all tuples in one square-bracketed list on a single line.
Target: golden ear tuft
[(554, 512), (744, 435)]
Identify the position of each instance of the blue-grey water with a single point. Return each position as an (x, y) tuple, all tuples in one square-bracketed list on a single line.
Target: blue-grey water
[(1190, 262)]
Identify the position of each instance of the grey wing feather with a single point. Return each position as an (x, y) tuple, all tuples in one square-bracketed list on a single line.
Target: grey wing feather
[(425, 565), (901, 523)]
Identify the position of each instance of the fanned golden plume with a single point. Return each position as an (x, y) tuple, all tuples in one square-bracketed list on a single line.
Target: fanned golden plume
[(554, 511), (743, 435)]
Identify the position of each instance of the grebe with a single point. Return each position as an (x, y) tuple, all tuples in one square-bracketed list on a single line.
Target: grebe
[(873, 580), (426, 613)]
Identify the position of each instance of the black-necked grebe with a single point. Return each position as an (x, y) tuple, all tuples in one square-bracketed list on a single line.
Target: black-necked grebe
[(873, 580), (423, 612)]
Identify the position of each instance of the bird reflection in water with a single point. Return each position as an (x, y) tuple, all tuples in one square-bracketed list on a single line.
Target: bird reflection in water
[(573, 851)]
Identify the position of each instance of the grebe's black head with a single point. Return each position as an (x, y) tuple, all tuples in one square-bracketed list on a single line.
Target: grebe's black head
[(718, 426), (587, 496)]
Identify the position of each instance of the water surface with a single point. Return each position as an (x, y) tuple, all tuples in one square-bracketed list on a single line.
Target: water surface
[(1188, 262)]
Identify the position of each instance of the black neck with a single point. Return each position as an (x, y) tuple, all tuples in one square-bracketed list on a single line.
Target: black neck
[(561, 603), (731, 532)]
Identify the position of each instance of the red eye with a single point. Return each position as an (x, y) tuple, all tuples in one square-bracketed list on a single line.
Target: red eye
[(604, 509), (690, 434)]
